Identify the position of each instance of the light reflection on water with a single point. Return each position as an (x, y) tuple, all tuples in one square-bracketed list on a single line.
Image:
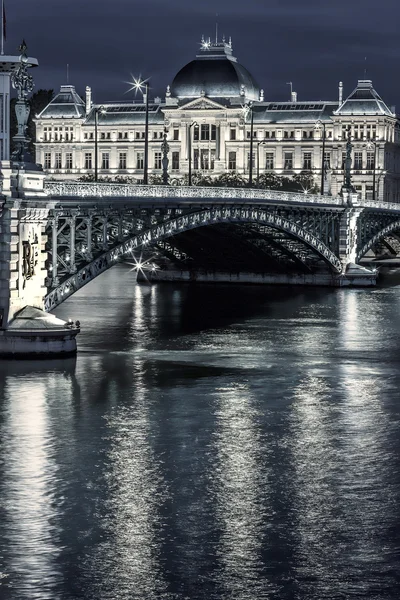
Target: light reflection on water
[(209, 442)]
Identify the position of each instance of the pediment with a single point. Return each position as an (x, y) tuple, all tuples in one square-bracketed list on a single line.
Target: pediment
[(203, 103)]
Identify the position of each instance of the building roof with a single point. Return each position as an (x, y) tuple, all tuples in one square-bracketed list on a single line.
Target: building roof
[(294, 112), (67, 104), (215, 73), (364, 100), (126, 114)]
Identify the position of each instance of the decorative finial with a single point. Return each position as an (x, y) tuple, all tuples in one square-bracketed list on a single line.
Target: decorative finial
[(262, 96), (202, 38), (202, 93), (230, 41), (168, 94), (223, 38)]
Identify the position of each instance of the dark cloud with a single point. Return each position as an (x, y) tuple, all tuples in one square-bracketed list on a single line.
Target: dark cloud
[(314, 43)]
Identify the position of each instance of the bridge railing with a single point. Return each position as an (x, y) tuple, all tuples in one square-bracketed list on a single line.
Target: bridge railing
[(77, 189)]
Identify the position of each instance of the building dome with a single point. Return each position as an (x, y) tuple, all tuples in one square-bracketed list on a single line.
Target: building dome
[(215, 73)]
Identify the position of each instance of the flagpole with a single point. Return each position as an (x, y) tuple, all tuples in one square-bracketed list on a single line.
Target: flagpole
[(2, 27)]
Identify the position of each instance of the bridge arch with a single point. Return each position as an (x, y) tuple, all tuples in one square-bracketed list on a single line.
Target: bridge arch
[(380, 235), (185, 222)]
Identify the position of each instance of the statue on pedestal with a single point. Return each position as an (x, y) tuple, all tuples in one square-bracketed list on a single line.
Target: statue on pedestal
[(165, 160), (22, 81)]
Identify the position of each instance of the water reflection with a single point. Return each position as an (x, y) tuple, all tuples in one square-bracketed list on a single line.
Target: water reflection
[(129, 552), (241, 496), (29, 501)]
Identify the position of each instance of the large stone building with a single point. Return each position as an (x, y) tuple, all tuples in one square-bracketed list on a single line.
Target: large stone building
[(206, 100)]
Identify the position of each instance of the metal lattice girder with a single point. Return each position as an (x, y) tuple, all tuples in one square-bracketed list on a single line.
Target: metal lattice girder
[(168, 228)]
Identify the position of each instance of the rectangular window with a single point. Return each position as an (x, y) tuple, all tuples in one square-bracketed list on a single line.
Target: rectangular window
[(288, 161), (327, 160), (120, 135), (370, 160), (267, 134), (307, 161), (175, 161), (105, 160), (125, 135), (205, 132), (155, 135), (176, 134), (47, 160), (88, 160), (196, 132), (122, 160), (358, 160), (232, 134), (157, 160), (57, 162), (269, 161), (140, 160), (213, 132), (232, 159), (102, 136), (68, 160)]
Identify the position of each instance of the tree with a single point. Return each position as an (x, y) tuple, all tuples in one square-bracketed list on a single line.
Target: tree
[(230, 179)]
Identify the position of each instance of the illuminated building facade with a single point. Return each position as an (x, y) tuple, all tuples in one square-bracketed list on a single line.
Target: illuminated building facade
[(203, 110)]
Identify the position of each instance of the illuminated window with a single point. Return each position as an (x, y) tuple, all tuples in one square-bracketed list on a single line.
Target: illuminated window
[(157, 160), (68, 160), (370, 160), (88, 160), (358, 160), (232, 160), (288, 161), (47, 160), (105, 160), (327, 160), (122, 160), (269, 161), (307, 161), (175, 161), (205, 132), (57, 161), (140, 160)]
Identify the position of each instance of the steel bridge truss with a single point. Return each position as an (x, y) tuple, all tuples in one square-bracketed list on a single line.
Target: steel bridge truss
[(85, 240)]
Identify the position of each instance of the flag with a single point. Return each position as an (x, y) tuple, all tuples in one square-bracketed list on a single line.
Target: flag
[(4, 21)]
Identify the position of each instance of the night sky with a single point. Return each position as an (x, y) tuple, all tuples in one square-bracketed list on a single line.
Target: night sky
[(313, 43)]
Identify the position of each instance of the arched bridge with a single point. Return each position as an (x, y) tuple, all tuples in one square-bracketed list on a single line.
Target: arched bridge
[(87, 228)]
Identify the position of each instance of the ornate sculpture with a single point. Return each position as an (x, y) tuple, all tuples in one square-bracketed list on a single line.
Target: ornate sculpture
[(23, 83), (347, 180), (165, 160)]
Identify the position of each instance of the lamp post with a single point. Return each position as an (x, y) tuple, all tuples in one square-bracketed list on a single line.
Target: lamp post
[(246, 109), (369, 145), (142, 85), (102, 111), (194, 124), (261, 143), (318, 126)]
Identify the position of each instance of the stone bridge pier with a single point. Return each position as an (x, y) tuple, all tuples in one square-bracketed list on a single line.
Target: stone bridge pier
[(26, 330)]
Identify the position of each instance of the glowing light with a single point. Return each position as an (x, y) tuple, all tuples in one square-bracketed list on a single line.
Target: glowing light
[(137, 84), (140, 265)]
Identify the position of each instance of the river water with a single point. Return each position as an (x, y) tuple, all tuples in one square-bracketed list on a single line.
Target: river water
[(209, 442)]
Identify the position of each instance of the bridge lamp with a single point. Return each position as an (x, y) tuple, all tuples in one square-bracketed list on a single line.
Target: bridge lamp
[(318, 126), (194, 124), (102, 110), (369, 145), (142, 85)]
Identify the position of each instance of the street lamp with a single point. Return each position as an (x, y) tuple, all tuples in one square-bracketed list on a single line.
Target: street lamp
[(142, 85), (318, 126), (369, 145), (381, 174), (246, 109), (98, 109), (194, 124), (261, 143)]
